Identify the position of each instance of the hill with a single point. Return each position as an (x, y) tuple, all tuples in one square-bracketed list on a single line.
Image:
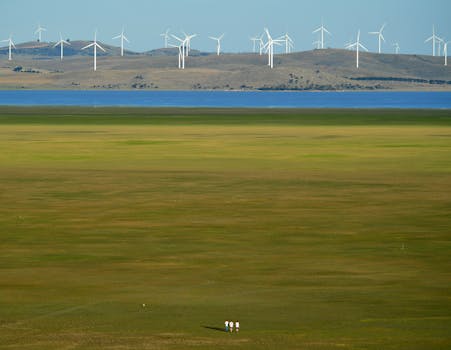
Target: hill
[(330, 69)]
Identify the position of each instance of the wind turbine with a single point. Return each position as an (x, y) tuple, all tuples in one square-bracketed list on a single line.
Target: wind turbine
[(165, 35), (122, 37), (357, 45), (39, 32), (433, 38), (380, 36), (95, 45), (218, 47), (61, 42), (188, 42), (317, 43), (289, 43), (322, 30), (182, 47), (10, 43), (254, 40), (397, 48), (261, 43), (269, 46)]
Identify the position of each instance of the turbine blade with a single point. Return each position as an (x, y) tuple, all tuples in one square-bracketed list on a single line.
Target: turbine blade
[(87, 46), (117, 37), (177, 38), (363, 47), (100, 47)]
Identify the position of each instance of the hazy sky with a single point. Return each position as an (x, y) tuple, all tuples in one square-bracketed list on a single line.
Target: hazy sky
[(409, 22)]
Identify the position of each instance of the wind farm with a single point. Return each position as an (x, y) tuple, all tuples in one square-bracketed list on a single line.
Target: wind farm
[(316, 70)]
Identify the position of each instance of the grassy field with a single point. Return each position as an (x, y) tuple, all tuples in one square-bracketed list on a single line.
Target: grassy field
[(314, 229)]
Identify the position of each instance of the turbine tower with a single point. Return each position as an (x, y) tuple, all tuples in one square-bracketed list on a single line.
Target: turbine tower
[(357, 45), (61, 42), (122, 37), (39, 32), (445, 52), (95, 45), (397, 48), (165, 35), (180, 56), (269, 46), (218, 46), (10, 43), (440, 41), (380, 36), (434, 39), (322, 30)]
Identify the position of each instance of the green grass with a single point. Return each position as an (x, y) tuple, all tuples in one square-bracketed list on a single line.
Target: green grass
[(315, 229)]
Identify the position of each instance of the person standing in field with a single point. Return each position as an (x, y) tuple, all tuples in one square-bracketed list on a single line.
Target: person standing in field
[(231, 326), (237, 326), (226, 326)]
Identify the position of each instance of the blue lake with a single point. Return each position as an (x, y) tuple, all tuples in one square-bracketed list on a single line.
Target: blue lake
[(231, 99)]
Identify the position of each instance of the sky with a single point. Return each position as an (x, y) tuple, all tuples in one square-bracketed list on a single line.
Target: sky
[(409, 22)]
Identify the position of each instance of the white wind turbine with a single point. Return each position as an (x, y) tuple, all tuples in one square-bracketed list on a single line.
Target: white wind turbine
[(254, 40), (397, 48), (357, 45), (289, 43), (182, 48), (10, 44), (218, 46), (39, 32), (261, 44), (188, 42), (61, 42), (380, 36), (165, 35), (269, 46), (317, 44), (321, 30), (122, 37), (434, 38), (95, 45)]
